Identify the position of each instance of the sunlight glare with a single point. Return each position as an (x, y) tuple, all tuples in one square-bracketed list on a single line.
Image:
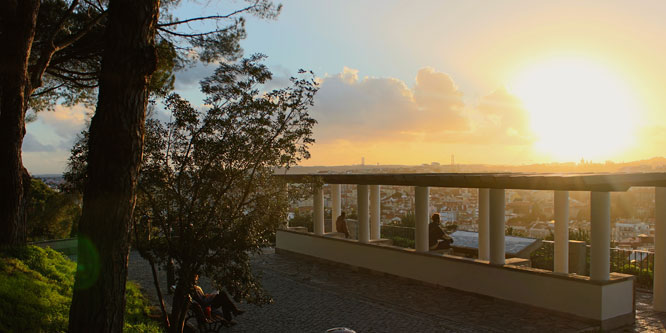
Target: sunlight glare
[(577, 109)]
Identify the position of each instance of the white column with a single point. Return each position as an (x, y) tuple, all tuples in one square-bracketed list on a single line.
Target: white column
[(659, 296), (335, 202), (362, 200), (318, 210), (286, 191), (600, 236), (422, 197), (496, 221), (375, 212), (561, 203), (484, 253)]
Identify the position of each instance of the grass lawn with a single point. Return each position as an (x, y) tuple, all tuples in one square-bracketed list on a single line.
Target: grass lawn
[(36, 292)]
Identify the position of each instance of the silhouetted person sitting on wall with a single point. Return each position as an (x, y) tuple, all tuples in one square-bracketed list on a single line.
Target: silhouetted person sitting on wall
[(438, 238), (220, 300), (341, 225)]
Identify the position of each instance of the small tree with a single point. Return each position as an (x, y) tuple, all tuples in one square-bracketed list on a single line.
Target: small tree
[(207, 184)]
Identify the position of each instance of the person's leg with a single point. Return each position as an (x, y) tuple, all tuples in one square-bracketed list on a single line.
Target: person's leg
[(443, 245), (228, 307)]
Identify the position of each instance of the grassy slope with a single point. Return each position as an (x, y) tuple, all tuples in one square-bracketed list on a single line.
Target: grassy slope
[(36, 291)]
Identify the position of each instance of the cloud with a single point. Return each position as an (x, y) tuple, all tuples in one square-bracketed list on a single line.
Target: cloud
[(189, 78), (385, 109), (500, 118), (438, 98), (46, 162), (31, 144), (65, 121), (505, 111), (354, 109), (59, 128)]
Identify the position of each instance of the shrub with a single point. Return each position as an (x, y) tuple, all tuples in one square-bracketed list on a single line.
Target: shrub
[(402, 242), (303, 220)]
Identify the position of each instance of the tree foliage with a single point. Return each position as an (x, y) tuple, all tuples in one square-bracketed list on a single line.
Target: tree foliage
[(207, 198), (207, 181), (63, 42), (51, 214), (69, 41)]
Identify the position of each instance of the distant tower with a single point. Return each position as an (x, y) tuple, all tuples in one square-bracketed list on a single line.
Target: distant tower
[(362, 161), (453, 160)]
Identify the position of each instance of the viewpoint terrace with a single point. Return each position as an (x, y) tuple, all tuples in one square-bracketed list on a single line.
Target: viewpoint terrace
[(603, 297)]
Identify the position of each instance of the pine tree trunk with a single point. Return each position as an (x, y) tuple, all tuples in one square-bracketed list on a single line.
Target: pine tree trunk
[(17, 31), (115, 148)]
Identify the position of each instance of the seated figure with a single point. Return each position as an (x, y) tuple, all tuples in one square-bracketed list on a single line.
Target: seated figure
[(341, 225), (438, 239), (214, 301)]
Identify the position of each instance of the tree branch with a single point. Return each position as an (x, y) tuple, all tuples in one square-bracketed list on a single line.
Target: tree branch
[(73, 81), (50, 48), (64, 18), (260, 155), (73, 72), (178, 34), (72, 39), (46, 91), (212, 17)]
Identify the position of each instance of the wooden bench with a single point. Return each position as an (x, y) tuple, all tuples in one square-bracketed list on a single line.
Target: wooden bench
[(196, 318)]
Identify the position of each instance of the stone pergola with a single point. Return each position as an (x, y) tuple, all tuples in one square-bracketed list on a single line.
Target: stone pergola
[(491, 187)]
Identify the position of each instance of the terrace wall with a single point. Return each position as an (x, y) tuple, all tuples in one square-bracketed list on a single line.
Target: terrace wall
[(609, 303)]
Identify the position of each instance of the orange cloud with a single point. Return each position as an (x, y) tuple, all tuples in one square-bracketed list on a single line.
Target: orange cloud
[(503, 120), (438, 99), (386, 121), (386, 109), (66, 121)]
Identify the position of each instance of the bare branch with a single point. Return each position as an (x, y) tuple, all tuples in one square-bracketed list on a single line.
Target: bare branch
[(95, 4), (191, 35), (46, 91), (74, 82), (212, 17), (71, 71), (74, 72)]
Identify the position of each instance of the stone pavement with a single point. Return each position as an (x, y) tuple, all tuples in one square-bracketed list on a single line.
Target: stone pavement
[(311, 296)]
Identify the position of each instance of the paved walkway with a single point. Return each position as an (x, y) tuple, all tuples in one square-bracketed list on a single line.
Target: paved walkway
[(311, 296)]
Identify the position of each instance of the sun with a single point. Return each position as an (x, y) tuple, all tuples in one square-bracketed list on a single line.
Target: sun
[(577, 108)]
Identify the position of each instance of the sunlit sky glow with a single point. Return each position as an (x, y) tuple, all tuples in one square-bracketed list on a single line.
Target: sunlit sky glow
[(577, 108), (495, 82)]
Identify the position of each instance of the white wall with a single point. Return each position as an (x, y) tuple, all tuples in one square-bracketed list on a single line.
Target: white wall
[(573, 295)]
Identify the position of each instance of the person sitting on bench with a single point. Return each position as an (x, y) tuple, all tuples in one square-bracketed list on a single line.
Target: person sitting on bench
[(219, 300), (437, 237), (341, 225)]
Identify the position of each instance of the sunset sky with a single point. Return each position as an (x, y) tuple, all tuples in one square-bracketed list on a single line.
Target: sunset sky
[(501, 82)]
